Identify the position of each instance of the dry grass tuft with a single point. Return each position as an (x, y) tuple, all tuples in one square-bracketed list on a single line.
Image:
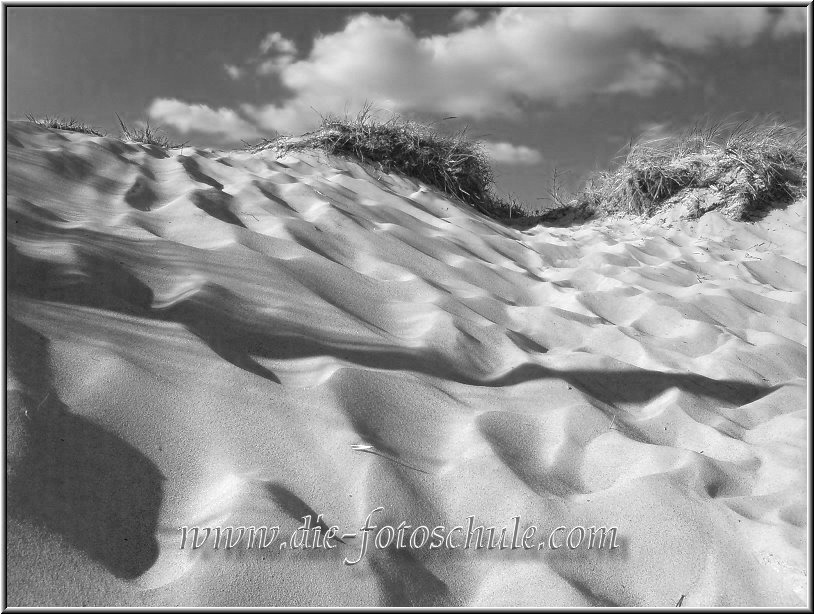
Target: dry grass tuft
[(456, 165), (147, 136), (59, 123), (740, 169)]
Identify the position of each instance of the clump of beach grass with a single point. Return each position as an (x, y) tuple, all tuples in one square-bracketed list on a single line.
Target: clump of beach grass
[(60, 123), (455, 164), (147, 135), (741, 169)]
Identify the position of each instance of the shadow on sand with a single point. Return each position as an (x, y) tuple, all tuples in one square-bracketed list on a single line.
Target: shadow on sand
[(91, 487), (75, 478), (227, 325)]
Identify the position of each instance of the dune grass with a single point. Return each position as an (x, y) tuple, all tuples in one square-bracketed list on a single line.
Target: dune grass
[(59, 123), (741, 169), (455, 164), (147, 135)]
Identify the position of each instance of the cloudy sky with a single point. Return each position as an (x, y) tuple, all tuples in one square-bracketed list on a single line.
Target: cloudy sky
[(542, 87)]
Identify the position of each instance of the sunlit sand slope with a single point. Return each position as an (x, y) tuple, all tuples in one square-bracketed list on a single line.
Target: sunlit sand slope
[(198, 339)]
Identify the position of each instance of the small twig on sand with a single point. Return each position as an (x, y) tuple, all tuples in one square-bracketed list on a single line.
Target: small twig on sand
[(47, 394), (27, 414), (370, 450), (680, 601)]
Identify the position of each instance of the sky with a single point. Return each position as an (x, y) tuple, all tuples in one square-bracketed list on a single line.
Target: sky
[(545, 89)]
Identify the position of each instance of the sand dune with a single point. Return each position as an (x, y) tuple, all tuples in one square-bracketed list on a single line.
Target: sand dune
[(198, 338)]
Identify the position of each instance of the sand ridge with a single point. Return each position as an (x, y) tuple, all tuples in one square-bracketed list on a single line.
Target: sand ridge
[(221, 327)]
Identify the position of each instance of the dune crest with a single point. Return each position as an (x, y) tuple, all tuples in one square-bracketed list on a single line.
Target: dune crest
[(200, 337)]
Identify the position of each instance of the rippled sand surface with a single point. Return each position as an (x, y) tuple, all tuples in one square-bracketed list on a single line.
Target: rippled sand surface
[(198, 338)]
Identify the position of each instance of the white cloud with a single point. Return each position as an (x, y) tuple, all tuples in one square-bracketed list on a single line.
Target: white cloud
[(200, 118), (274, 65), (518, 55), (234, 71), (276, 42), (465, 17), (294, 117), (517, 155), (497, 67), (645, 75), (700, 28), (282, 49)]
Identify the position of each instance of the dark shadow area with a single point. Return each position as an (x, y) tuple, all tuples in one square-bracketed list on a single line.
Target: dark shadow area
[(68, 165), (229, 338), (154, 151), (70, 475), (584, 589), (91, 487), (193, 169), (26, 214), (238, 339), (525, 343), (216, 203), (27, 353), (305, 237), (265, 191), (763, 208), (295, 507), (637, 386), (93, 282), (14, 141), (405, 581), (28, 363), (141, 195), (358, 220)]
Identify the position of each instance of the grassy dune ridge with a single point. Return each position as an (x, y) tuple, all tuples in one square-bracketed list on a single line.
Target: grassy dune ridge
[(455, 164), (742, 169)]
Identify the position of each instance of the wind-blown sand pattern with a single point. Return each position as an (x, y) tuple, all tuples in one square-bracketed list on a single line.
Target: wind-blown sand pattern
[(198, 338)]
